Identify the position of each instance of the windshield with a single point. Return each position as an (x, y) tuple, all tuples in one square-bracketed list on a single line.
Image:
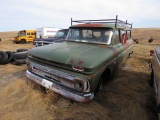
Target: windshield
[(60, 34), (21, 33), (91, 35)]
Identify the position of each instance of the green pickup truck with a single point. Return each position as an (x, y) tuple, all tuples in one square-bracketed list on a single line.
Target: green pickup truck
[(79, 67)]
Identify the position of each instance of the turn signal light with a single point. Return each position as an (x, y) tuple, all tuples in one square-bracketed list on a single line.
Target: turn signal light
[(78, 68)]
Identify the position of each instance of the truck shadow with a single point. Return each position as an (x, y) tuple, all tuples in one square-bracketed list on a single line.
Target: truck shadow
[(129, 96)]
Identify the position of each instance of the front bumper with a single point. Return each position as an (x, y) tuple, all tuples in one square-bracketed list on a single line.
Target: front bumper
[(71, 94)]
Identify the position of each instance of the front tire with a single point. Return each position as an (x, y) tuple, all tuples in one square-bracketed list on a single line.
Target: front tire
[(99, 86), (23, 41)]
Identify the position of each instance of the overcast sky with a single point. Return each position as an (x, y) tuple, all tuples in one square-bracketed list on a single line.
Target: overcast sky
[(31, 14)]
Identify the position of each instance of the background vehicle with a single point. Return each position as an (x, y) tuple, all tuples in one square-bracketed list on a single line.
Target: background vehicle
[(82, 65), (46, 32), (25, 36), (60, 36), (155, 75)]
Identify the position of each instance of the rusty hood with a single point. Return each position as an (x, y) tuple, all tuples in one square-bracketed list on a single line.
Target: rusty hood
[(90, 57)]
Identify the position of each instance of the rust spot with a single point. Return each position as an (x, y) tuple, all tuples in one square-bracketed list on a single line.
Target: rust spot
[(71, 62), (80, 62), (127, 44)]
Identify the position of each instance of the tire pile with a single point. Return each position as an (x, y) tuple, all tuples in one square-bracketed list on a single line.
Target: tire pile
[(16, 58)]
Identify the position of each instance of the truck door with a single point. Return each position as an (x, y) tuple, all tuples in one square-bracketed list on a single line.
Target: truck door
[(128, 43), (119, 47)]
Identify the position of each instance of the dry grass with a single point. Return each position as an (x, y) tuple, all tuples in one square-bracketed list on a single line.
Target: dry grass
[(8, 35), (7, 45), (146, 33), (128, 96)]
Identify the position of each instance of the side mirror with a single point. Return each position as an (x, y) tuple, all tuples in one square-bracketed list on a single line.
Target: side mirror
[(124, 38)]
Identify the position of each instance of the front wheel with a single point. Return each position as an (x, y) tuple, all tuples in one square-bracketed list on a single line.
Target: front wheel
[(23, 41), (99, 86)]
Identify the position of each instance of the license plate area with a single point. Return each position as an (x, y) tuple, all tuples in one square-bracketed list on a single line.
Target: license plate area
[(46, 83)]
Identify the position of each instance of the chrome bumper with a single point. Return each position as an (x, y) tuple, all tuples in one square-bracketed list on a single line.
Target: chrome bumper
[(71, 94)]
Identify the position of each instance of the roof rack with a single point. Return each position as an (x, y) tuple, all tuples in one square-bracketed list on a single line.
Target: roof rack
[(110, 21)]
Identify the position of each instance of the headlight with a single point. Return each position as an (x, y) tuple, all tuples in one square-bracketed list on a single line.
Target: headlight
[(78, 86), (81, 85)]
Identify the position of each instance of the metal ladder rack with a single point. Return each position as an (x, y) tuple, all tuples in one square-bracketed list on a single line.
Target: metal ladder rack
[(110, 21)]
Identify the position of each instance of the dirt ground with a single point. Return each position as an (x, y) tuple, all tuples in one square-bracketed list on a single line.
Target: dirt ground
[(127, 97)]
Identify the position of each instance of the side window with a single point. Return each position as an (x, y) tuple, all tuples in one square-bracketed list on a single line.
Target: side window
[(28, 33), (87, 34), (32, 33), (128, 34), (117, 37), (74, 34), (96, 34), (122, 34)]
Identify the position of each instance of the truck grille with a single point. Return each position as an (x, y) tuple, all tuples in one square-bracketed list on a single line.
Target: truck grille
[(52, 75)]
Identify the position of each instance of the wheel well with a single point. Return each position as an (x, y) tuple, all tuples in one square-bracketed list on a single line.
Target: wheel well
[(104, 79), (23, 39), (106, 76)]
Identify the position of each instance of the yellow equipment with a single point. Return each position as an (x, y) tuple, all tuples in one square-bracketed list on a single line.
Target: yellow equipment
[(25, 36)]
